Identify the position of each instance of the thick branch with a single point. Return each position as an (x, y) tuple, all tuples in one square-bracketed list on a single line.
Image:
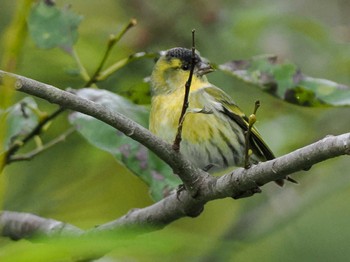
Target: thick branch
[(264, 172), (16, 225)]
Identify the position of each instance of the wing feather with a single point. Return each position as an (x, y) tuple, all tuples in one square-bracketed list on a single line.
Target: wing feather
[(229, 108)]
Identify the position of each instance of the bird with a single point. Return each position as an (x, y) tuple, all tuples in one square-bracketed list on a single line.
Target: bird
[(214, 127)]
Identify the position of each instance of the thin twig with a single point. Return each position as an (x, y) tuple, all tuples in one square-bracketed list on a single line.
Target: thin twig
[(37, 151), (111, 43), (82, 70), (36, 131), (178, 138), (251, 122), (123, 62)]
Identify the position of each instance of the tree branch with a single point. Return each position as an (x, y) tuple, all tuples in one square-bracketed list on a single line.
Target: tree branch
[(16, 225), (238, 183)]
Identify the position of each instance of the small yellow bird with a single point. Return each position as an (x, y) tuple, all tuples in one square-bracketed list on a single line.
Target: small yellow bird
[(214, 127)]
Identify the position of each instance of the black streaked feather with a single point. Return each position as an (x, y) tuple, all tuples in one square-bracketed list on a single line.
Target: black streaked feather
[(234, 152), (224, 159)]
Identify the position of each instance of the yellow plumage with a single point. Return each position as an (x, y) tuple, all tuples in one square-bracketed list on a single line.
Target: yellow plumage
[(214, 127)]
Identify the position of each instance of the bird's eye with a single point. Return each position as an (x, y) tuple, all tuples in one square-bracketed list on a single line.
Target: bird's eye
[(185, 67)]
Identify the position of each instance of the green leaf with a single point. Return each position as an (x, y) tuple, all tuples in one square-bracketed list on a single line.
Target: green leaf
[(139, 93), (52, 27), (332, 93), (132, 154), (285, 81), (20, 119)]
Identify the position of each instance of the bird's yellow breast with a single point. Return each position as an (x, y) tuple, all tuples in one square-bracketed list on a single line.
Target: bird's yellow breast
[(165, 114)]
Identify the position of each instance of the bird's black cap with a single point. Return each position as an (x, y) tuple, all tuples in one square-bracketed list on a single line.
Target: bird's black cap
[(183, 54)]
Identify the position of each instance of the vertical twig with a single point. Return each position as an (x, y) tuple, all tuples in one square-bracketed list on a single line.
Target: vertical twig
[(252, 120), (178, 138)]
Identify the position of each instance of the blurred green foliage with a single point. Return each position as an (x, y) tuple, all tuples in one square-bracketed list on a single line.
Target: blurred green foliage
[(77, 183), (21, 119), (53, 27)]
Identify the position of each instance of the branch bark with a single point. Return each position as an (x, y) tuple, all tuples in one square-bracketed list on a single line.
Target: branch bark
[(16, 225), (203, 187)]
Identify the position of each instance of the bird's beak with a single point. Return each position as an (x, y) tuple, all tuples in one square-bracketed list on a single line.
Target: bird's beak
[(203, 68)]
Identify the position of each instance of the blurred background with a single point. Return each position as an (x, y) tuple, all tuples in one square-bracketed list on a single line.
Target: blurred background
[(82, 185)]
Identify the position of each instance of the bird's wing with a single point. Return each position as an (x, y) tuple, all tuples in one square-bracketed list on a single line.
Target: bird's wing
[(229, 108)]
